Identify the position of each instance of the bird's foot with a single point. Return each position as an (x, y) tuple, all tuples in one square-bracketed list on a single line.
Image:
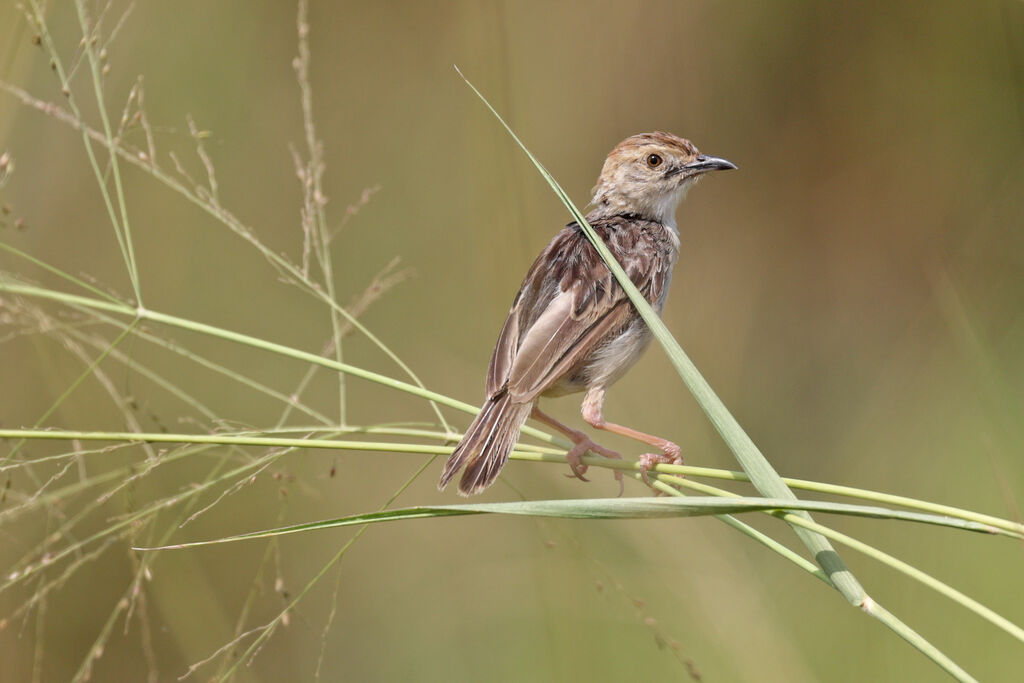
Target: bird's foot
[(582, 445), (670, 454)]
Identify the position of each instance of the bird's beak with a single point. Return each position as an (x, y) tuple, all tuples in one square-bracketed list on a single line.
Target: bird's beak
[(704, 163)]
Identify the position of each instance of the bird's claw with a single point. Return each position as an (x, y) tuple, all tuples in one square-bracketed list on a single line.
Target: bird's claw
[(670, 455), (576, 464), (583, 444)]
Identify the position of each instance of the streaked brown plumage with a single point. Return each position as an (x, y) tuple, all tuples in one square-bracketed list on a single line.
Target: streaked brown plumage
[(571, 327)]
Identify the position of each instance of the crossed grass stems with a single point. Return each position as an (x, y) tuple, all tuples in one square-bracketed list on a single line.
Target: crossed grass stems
[(66, 548)]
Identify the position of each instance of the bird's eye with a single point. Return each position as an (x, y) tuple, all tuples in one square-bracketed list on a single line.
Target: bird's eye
[(653, 160)]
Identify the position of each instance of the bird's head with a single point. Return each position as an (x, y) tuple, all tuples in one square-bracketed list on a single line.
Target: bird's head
[(649, 175)]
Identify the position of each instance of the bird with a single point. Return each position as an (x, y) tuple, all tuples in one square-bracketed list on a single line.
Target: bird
[(571, 327)]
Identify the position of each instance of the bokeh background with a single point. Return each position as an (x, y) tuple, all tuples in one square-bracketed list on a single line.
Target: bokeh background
[(853, 292)]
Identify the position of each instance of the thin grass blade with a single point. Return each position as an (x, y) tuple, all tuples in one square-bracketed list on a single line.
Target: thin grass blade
[(604, 508), (762, 475)]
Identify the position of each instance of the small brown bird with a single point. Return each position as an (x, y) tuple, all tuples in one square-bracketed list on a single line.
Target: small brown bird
[(571, 326)]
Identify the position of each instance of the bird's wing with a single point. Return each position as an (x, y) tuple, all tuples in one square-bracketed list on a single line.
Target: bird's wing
[(539, 287), (568, 304), (558, 341), (505, 348)]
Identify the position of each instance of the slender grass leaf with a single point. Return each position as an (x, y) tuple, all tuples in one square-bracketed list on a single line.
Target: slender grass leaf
[(762, 475), (607, 508)]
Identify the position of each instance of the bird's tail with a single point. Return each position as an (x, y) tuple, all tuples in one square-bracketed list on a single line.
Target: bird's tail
[(485, 447)]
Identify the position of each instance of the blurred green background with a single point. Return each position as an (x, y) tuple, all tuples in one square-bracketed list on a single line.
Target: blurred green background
[(853, 293)]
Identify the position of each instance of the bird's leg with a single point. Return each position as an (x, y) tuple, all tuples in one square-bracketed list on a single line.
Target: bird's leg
[(581, 444), (593, 405)]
